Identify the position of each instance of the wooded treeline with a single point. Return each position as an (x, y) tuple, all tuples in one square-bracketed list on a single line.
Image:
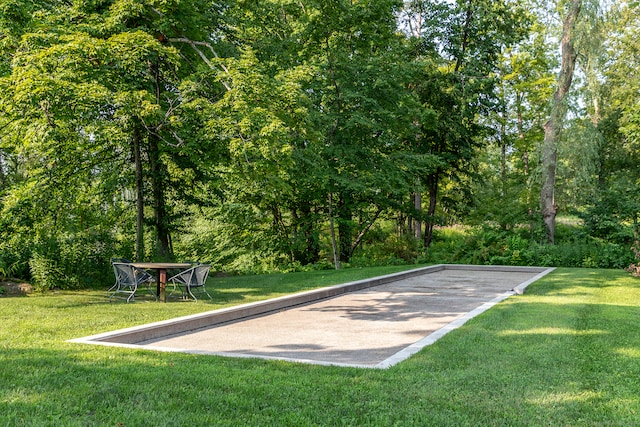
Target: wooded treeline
[(266, 134)]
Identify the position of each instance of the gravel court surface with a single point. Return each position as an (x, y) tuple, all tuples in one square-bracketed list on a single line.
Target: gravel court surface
[(376, 327)]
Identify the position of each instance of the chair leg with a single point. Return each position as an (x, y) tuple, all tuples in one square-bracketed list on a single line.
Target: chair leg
[(188, 288), (150, 289), (175, 287), (133, 293), (203, 290), (122, 291), (112, 291), (207, 293)]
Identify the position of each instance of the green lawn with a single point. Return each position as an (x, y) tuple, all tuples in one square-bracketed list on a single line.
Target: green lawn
[(565, 353)]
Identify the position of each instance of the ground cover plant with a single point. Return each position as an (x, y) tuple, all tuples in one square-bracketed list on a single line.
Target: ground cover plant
[(565, 353)]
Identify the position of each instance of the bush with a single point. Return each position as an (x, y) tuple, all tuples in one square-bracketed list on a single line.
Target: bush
[(7, 267), (14, 257), (498, 247), (46, 274), (69, 261), (394, 250)]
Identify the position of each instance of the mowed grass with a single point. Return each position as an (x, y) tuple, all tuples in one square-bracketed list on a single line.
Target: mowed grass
[(565, 353)]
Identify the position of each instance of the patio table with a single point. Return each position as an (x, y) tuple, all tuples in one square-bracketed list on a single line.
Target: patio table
[(161, 269)]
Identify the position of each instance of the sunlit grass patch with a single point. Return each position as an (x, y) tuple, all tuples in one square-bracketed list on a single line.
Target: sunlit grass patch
[(553, 399), (633, 352), (550, 331)]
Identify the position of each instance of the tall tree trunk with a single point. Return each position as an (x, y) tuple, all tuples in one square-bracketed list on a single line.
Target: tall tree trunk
[(306, 247), (161, 220), (417, 224), (401, 227), (502, 118), (553, 126), (334, 244), (465, 35), (2, 172), (137, 159), (503, 156), (525, 151), (345, 228), (432, 187)]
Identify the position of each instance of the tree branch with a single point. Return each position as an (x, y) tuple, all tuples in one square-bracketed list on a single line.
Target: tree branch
[(194, 45), (364, 231)]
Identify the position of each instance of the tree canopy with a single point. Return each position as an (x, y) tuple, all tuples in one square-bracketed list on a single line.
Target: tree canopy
[(274, 134)]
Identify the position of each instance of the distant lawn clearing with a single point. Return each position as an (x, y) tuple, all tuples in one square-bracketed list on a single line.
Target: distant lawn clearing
[(567, 352)]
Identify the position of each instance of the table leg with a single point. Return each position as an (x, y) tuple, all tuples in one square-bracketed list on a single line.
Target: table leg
[(162, 285)]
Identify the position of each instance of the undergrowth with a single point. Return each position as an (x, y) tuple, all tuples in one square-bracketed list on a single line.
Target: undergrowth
[(493, 246)]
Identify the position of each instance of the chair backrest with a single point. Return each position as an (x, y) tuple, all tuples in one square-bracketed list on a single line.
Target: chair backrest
[(122, 260), (195, 276), (200, 274), (125, 273)]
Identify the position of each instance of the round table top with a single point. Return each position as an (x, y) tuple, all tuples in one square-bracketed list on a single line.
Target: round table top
[(161, 264)]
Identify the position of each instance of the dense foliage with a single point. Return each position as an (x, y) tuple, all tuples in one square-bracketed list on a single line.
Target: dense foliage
[(275, 135)]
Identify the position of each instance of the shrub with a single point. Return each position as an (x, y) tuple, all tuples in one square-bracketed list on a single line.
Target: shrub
[(394, 250), (14, 257), (71, 261), (499, 247), (7, 268), (46, 274)]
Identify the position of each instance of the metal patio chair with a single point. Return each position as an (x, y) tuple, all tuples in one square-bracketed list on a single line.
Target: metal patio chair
[(128, 279), (191, 280), (143, 275)]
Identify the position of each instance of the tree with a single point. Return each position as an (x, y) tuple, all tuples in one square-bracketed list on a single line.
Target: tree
[(553, 126), (506, 192), (612, 212), (95, 95), (464, 41), (56, 79), (319, 112)]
